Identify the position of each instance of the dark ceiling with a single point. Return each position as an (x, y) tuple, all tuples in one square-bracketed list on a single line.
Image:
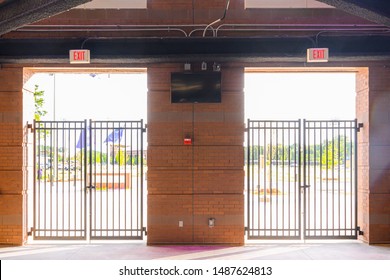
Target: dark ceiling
[(377, 11), (15, 14)]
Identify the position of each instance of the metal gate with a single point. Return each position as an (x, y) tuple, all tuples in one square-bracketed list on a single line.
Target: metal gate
[(301, 179), (89, 180)]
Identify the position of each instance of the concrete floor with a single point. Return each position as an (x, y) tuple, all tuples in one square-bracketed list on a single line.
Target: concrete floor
[(324, 250)]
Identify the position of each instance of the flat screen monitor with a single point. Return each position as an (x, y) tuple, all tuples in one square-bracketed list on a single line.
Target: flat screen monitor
[(196, 87)]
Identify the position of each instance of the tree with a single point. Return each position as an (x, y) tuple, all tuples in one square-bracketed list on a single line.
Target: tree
[(39, 101)]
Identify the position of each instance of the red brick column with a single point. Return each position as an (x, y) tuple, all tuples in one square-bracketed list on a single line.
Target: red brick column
[(205, 180), (362, 114), (378, 153), (12, 173)]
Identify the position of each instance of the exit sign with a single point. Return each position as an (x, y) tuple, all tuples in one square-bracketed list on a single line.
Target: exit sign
[(79, 56), (318, 55)]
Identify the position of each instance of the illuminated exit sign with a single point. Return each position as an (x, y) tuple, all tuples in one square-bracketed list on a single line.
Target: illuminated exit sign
[(79, 56), (318, 55)]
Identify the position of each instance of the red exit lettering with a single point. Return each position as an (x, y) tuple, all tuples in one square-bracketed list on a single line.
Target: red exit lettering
[(318, 54), (78, 55)]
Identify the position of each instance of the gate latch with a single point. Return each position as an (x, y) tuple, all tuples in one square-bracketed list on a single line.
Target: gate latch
[(91, 187), (305, 186)]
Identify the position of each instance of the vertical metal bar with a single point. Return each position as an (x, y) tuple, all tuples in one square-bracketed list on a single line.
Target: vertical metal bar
[(44, 185), (304, 180), (283, 178), (270, 179), (338, 178), (307, 180), (314, 181), (141, 160), (333, 162), (327, 181), (297, 176), (91, 198), (83, 192), (256, 182), (113, 184), (131, 176), (257, 142), (289, 178), (248, 177), (57, 176), (321, 186), (265, 129), (119, 177), (64, 130), (110, 161), (75, 174), (51, 179), (126, 183), (277, 178), (345, 176), (355, 191), (96, 229), (89, 194), (69, 168), (139, 192), (37, 176)]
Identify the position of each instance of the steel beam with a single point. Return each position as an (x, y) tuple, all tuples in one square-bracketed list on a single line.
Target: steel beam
[(155, 50), (22, 12), (377, 11)]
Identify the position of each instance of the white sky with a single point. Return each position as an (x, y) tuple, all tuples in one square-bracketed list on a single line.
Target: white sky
[(292, 96), (277, 96), (98, 97)]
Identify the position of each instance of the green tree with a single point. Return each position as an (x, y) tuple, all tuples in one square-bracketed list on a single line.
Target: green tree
[(120, 157), (39, 102)]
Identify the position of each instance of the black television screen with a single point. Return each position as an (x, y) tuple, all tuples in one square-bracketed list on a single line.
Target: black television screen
[(196, 87)]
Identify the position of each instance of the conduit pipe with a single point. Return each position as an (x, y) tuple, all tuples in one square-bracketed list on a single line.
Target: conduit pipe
[(218, 20)]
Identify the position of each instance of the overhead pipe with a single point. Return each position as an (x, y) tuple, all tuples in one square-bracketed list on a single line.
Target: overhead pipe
[(320, 28), (299, 28), (218, 20)]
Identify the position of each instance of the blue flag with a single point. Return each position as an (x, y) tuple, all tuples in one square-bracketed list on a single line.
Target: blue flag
[(115, 136), (81, 141)]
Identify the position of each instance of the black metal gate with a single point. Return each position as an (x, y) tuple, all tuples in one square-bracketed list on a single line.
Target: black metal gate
[(89, 180), (301, 179)]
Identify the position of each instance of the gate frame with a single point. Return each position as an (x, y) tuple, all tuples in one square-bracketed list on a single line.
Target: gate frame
[(86, 182), (302, 182)]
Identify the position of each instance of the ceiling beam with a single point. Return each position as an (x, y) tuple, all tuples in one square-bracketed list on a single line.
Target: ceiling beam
[(156, 50), (377, 11), (19, 13)]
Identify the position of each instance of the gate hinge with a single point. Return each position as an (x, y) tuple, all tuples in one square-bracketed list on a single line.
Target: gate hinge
[(359, 126), (360, 232), (29, 233), (30, 126), (144, 230)]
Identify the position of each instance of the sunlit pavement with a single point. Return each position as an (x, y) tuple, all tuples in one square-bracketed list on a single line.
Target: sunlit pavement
[(335, 250)]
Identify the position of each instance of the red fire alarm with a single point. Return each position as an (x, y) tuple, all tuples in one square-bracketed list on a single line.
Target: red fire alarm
[(187, 140)]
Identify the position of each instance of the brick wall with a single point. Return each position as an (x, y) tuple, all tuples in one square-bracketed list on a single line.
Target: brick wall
[(12, 187), (378, 197), (198, 182), (194, 183), (362, 114)]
